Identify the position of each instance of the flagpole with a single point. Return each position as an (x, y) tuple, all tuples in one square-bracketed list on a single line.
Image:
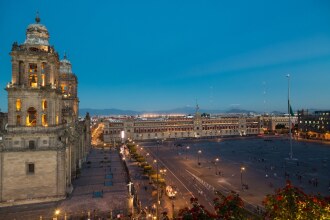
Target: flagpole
[(289, 108)]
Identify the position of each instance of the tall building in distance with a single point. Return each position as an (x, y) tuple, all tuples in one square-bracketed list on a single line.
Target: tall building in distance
[(44, 143)]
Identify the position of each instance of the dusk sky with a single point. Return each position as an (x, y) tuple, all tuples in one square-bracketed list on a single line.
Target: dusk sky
[(159, 55)]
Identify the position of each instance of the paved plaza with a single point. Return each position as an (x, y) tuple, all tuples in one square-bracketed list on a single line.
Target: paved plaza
[(265, 163), (99, 192)]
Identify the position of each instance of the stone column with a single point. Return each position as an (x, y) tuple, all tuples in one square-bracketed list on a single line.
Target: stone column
[(14, 71)]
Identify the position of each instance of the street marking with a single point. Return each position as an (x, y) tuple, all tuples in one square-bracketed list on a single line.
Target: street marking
[(174, 176)]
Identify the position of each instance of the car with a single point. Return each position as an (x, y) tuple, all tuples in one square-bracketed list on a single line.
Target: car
[(171, 191)]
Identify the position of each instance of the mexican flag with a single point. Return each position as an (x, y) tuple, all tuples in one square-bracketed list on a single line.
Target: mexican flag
[(290, 109)]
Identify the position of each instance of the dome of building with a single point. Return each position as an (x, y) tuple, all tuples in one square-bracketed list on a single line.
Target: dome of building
[(37, 34), (65, 65)]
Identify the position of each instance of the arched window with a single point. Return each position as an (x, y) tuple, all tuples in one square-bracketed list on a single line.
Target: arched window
[(33, 78), (44, 104), (18, 120), (31, 119), (18, 105), (44, 120)]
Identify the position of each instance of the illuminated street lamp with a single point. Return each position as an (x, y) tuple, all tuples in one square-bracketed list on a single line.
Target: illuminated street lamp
[(216, 165), (122, 134), (242, 169), (199, 152), (57, 212), (157, 204)]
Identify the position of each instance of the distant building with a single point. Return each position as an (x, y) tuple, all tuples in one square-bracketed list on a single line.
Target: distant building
[(314, 125), (44, 143), (270, 123), (180, 127)]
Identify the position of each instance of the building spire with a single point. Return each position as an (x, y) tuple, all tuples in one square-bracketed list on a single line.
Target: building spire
[(197, 107), (65, 57), (37, 17)]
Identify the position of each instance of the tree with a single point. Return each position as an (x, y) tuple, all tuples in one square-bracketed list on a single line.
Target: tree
[(229, 207), (205, 115), (280, 126), (292, 203), (197, 212)]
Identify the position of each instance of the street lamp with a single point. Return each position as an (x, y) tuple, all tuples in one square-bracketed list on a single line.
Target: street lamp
[(187, 148), (242, 169), (57, 212), (289, 111), (199, 152), (216, 165), (157, 204)]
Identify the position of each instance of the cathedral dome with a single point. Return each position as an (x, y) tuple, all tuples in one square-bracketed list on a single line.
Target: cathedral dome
[(37, 34), (65, 65)]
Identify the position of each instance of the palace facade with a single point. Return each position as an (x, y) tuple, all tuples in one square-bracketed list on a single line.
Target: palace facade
[(44, 143), (180, 127)]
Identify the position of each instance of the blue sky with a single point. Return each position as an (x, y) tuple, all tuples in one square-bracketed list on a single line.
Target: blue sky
[(158, 55)]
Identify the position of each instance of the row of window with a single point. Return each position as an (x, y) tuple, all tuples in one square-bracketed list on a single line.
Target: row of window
[(31, 118), (191, 134), (19, 104)]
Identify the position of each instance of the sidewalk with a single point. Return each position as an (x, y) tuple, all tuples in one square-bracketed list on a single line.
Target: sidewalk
[(146, 194), (101, 189)]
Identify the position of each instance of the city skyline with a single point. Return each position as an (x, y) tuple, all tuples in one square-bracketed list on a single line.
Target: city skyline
[(161, 55)]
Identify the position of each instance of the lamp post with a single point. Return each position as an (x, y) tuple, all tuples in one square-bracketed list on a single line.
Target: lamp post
[(199, 152), (216, 165), (173, 215), (289, 111), (187, 148), (242, 169), (157, 204)]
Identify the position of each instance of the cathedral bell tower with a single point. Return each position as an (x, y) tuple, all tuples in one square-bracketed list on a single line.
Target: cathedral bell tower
[(35, 161), (33, 94)]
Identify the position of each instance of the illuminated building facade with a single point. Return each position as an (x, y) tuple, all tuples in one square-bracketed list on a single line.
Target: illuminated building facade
[(314, 125), (44, 143), (180, 127)]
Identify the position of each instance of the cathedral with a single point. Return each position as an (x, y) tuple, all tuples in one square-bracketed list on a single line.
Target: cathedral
[(44, 143)]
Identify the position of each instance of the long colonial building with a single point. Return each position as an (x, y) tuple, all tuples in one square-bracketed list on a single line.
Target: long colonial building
[(180, 127), (43, 143)]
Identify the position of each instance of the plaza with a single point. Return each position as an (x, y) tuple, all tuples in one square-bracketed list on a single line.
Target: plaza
[(264, 160)]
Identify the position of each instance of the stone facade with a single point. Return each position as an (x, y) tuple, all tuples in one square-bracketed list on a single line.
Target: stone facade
[(44, 144), (181, 127), (3, 121), (314, 125)]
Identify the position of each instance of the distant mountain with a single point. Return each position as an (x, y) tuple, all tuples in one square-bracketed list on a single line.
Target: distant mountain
[(240, 111)]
